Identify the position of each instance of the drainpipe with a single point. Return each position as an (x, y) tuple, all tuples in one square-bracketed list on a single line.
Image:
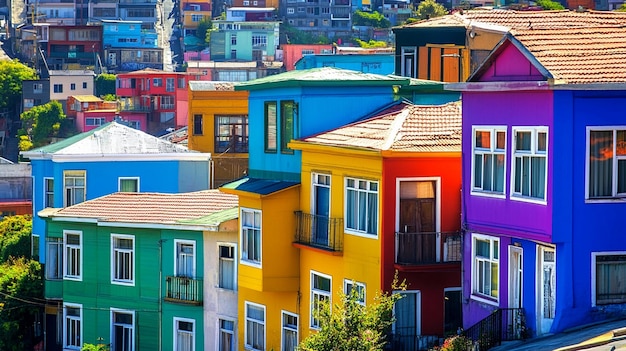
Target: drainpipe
[(160, 294)]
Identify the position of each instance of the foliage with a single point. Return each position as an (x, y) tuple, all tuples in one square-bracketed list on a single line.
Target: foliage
[(43, 122), (549, 5), (296, 36), (92, 347), (12, 74), (371, 19), (105, 84), (456, 343), (354, 327), (621, 8), (205, 26), (24, 143), (371, 44), (109, 97), (429, 9), (15, 237)]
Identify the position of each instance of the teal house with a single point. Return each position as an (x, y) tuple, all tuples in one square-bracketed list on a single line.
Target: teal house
[(134, 270)]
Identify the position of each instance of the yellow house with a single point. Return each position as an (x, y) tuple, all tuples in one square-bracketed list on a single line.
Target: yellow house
[(338, 227), (193, 12), (268, 270), (218, 123)]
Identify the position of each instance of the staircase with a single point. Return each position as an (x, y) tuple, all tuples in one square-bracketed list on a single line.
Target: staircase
[(503, 324)]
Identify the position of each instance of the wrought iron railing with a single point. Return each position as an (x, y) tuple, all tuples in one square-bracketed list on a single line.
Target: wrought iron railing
[(406, 339), (504, 324), (183, 289), (319, 231), (428, 248)]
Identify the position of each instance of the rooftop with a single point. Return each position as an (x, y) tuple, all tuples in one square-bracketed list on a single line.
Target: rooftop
[(204, 85)]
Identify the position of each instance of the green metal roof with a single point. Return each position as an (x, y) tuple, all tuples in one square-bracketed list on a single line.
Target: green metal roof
[(322, 76), (421, 84), (214, 219)]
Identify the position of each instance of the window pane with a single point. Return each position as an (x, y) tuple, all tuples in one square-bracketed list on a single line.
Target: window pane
[(287, 120), (522, 141), (600, 163), (270, 126), (501, 140), (621, 176), (499, 173), (488, 168), (478, 171), (621, 143), (542, 141), (483, 139), (538, 180), (482, 248)]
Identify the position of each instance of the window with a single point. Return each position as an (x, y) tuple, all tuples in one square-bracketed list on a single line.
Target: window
[(271, 134), (122, 330), (610, 278), (167, 102), (307, 52), (95, 121), (84, 85), (197, 124), (489, 148), (530, 148), (196, 18), (290, 10), (169, 84), (255, 326), (259, 40), (72, 335), (227, 267), (233, 54), (122, 259), (349, 285), (290, 332), (73, 86), (251, 236), (54, 258), (185, 264), (73, 255), (231, 134), (184, 334), (29, 103), (485, 259), (606, 175), (233, 39), (34, 249), (227, 335), (362, 206), (48, 184), (128, 184), (38, 88), (181, 83), (58, 88), (246, 3), (287, 116), (74, 184), (157, 82), (320, 294), (134, 124)]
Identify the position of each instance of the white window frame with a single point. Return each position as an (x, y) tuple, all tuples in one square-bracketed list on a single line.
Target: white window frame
[(95, 121), (594, 256), (243, 254), (285, 328), (74, 319), (615, 196), (534, 152), (367, 191), (58, 272), (72, 270), (177, 244), (47, 191), (68, 174), (221, 331), (348, 284), (492, 150), (233, 247), (114, 280), (176, 332), (475, 294), (249, 346), (120, 179), (316, 295), (133, 327)]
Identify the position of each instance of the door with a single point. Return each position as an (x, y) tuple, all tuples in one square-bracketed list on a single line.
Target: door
[(515, 277), (321, 208), (417, 219), (452, 311), (547, 289), (406, 327)]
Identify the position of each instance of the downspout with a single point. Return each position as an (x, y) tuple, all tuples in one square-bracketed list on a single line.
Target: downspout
[(160, 294)]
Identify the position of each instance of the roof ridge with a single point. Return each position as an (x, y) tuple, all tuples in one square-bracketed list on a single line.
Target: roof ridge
[(394, 129)]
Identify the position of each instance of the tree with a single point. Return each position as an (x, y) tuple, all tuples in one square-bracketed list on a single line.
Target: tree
[(43, 122), (354, 327), (296, 36), (549, 5), (205, 26), (105, 84), (621, 8), (15, 237), (430, 9), (370, 19), (12, 73), (371, 44)]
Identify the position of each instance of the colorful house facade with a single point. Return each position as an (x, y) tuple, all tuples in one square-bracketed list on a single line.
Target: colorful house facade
[(142, 271), (538, 175)]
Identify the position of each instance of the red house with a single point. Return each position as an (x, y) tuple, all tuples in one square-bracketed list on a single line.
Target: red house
[(69, 46), (158, 95)]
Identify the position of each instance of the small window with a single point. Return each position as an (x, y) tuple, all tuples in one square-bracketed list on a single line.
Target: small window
[(606, 176), (350, 286), (287, 116), (226, 335), (84, 85), (320, 294), (54, 258), (184, 334), (72, 332), (271, 132), (128, 185), (74, 184), (227, 267), (157, 82), (197, 124), (488, 161), (58, 88), (530, 156), (610, 276), (251, 236), (290, 332), (72, 86), (49, 192), (255, 326), (123, 259)]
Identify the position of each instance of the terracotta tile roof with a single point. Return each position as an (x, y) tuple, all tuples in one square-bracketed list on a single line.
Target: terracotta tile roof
[(157, 208), (414, 128), (579, 55)]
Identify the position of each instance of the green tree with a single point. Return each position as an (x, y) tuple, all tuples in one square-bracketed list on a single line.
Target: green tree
[(15, 237), (12, 74), (371, 19), (429, 9), (621, 8), (205, 26), (43, 122), (295, 36), (350, 326), (371, 44), (92, 347), (549, 5), (105, 84)]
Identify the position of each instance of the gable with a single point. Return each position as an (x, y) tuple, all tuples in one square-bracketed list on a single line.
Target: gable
[(509, 64)]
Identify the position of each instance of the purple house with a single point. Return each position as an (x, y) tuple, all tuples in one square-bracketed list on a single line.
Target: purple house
[(544, 174)]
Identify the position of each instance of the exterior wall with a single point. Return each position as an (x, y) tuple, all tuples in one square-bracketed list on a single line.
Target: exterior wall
[(223, 49), (81, 117), (430, 280), (128, 35), (343, 105), (67, 80), (378, 63), (188, 18), (39, 97), (293, 52), (58, 13)]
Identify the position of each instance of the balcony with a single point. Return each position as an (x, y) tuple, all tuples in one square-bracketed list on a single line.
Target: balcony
[(183, 290), (428, 248), (135, 107), (320, 232)]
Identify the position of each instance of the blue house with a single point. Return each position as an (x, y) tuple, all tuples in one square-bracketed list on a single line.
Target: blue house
[(381, 63), (544, 159), (105, 160), (131, 45)]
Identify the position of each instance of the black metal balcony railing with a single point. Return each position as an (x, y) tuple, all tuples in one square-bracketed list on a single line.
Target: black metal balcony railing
[(319, 231), (183, 289), (504, 324), (428, 248), (406, 339)]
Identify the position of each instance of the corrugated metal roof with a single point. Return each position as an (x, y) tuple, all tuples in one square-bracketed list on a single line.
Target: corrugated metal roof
[(259, 186), (204, 85)]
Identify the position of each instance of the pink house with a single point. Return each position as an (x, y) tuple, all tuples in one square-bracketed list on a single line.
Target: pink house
[(293, 52)]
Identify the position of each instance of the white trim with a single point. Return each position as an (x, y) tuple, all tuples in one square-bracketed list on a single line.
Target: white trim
[(111, 325), (534, 131), (119, 182), (357, 232), (243, 261), (539, 286), (418, 309), (330, 295), (593, 270), (45, 190), (195, 255), (613, 198), (438, 201), (174, 156), (474, 295), (245, 324), (66, 275), (282, 328), (235, 266), (219, 331), (134, 259), (175, 331), (520, 250), (493, 129), (353, 282), (62, 327)]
